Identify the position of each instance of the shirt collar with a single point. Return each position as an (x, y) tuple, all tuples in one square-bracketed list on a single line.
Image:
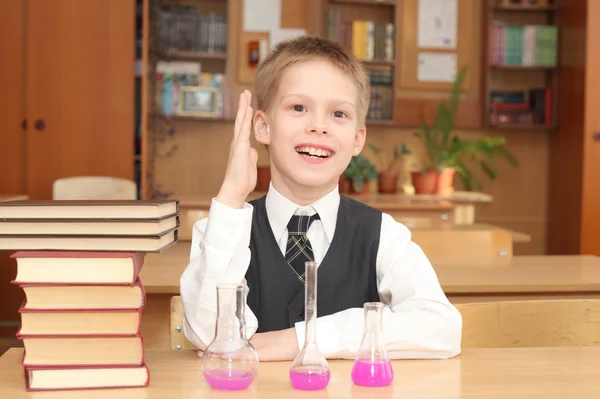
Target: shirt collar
[(280, 210)]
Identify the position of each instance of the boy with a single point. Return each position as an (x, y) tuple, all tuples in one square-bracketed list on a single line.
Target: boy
[(312, 98)]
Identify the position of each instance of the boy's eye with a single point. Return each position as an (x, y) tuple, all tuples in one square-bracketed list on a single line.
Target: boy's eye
[(339, 114), (298, 108)]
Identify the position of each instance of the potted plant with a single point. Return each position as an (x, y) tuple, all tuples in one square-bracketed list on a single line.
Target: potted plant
[(387, 178), (359, 172), (447, 154)]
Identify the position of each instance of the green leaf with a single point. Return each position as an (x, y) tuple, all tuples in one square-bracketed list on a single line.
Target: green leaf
[(373, 148)]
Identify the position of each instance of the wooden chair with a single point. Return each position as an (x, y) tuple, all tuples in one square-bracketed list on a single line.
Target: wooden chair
[(94, 188), (531, 323), (176, 335), (465, 247)]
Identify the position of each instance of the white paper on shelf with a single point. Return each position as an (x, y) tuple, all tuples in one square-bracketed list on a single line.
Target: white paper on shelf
[(278, 35), (262, 15), (436, 67), (437, 24)]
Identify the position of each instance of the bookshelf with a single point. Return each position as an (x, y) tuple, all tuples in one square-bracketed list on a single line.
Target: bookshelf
[(522, 65), (187, 75), (369, 29)]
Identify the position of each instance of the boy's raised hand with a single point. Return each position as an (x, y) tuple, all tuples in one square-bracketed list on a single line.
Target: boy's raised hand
[(240, 176)]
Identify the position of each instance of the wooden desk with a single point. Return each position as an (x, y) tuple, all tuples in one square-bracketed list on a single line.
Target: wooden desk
[(13, 197), (550, 373), (526, 277), (517, 237)]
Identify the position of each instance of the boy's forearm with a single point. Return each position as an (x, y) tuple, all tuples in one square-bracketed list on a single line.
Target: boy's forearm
[(219, 255)]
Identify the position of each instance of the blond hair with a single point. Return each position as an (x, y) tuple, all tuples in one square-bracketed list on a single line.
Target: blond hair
[(303, 49)]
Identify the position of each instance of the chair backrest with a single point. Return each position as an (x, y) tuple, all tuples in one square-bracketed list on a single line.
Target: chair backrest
[(94, 188), (176, 335), (531, 323), (465, 247)]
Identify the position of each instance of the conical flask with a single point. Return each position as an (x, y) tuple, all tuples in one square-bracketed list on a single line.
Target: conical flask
[(372, 366), (310, 370), (230, 362)]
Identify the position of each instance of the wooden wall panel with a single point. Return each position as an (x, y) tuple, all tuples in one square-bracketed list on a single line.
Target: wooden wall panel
[(564, 195), (590, 224), (12, 100)]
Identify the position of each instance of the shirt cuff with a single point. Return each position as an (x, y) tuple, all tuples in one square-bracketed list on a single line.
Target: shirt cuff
[(228, 228)]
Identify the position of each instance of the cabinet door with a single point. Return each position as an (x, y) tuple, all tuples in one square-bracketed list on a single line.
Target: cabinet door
[(12, 100), (590, 208), (80, 91)]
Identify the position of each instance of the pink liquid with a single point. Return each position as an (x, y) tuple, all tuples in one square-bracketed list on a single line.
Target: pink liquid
[(230, 380), (376, 373), (309, 381)]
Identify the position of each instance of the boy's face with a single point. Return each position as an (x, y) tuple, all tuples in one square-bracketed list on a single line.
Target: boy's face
[(312, 127)]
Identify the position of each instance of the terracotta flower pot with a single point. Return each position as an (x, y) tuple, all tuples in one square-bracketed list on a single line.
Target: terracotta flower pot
[(445, 181), (343, 184), (263, 178), (363, 190), (388, 182), (424, 183)]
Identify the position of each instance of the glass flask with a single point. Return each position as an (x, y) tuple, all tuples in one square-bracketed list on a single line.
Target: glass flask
[(230, 362), (372, 366), (309, 370)]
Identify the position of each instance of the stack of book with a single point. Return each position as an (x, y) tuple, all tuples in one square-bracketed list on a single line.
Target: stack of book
[(78, 263)]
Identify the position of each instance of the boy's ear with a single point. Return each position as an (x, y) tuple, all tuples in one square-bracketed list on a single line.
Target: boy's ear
[(359, 140), (261, 128)]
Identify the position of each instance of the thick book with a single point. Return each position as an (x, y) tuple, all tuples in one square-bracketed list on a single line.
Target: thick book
[(157, 243), (73, 267), (82, 351), (89, 227), (78, 322), (38, 378), (89, 209), (79, 296)]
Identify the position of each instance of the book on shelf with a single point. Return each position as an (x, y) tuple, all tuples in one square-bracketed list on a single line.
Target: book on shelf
[(186, 29), (367, 40), (77, 267), (521, 107), (40, 378), (382, 93), (523, 45)]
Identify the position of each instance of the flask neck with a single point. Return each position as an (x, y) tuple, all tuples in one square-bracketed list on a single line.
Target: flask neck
[(230, 313), (310, 303)]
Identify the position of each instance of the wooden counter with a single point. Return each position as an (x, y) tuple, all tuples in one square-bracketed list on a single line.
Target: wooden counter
[(549, 373), (13, 197), (524, 275), (412, 211)]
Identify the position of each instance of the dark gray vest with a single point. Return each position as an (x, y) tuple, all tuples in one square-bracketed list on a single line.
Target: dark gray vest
[(346, 277)]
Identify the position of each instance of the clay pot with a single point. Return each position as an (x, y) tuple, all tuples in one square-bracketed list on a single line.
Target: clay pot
[(445, 181), (363, 190), (343, 184), (432, 182), (388, 182), (424, 183), (263, 178)]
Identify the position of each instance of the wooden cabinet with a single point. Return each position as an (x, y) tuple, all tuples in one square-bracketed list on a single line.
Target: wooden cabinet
[(67, 69), (574, 196), (69, 74)]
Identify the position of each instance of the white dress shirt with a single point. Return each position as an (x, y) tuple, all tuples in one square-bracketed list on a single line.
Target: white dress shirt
[(418, 319)]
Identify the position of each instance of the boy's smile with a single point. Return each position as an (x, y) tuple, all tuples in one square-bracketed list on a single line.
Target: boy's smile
[(312, 128)]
